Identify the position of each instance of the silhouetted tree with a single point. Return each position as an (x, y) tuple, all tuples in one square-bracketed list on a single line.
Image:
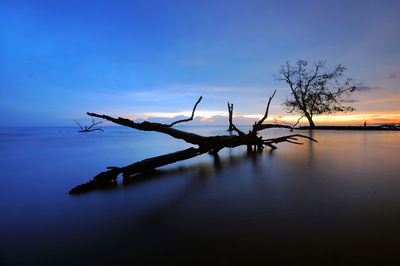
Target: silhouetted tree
[(315, 90)]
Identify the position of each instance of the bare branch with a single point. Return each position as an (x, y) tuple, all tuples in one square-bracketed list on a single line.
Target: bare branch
[(90, 128), (298, 121), (93, 124), (267, 109), (78, 124), (266, 126), (257, 126), (241, 133), (232, 126), (148, 126), (190, 118), (230, 115), (288, 138)]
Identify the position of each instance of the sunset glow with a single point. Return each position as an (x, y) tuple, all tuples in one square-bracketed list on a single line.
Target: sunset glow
[(130, 64), (184, 132), (208, 117)]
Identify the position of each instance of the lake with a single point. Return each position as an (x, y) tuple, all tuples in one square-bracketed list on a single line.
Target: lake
[(335, 202)]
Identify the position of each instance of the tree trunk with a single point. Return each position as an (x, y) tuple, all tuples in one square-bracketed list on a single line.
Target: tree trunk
[(310, 121)]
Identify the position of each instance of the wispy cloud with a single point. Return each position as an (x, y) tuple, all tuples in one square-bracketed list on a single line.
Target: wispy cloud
[(390, 99), (394, 75), (364, 88), (350, 101)]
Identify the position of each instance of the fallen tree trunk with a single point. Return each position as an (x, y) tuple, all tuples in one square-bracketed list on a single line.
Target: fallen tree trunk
[(112, 174), (210, 144)]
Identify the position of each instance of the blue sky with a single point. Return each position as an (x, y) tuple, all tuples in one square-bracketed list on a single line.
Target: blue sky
[(59, 59)]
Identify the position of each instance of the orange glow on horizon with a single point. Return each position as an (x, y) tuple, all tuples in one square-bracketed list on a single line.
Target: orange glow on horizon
[(344, 119), (335, 119), (205, 119)]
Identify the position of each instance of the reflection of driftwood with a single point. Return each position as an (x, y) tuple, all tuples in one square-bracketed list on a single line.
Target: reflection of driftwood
[(210, 144), (90, 128), (111, 175)]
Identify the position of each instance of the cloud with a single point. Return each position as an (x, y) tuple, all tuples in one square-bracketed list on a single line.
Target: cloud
[(393, 98), (350, 101), (205, 119), (394, 75), (368, 88)]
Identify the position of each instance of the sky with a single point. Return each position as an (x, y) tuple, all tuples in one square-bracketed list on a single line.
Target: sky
[(153, 59)]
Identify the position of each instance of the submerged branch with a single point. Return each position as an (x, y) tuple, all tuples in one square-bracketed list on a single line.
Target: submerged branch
[(289, 138), (88, 128), (112, 174)]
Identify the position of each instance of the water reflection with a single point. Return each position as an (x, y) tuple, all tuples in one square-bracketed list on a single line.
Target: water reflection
[(202, 170), (326, 203)]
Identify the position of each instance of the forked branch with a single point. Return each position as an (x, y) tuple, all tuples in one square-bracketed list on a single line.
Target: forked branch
[(258, 125), (89, 128), (290, 138)]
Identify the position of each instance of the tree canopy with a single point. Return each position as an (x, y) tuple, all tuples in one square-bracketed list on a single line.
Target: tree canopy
[(314, 89)]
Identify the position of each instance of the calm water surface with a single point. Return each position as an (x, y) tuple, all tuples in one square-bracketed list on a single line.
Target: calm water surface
[(335, 202)]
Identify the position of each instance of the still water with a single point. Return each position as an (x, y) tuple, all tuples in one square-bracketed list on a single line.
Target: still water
[(327, 203)]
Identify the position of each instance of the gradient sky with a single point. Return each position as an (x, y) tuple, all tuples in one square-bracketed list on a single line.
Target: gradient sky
[(59, 59)]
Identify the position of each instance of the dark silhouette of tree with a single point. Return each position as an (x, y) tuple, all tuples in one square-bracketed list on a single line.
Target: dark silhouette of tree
[(315, 90), (205, 144)]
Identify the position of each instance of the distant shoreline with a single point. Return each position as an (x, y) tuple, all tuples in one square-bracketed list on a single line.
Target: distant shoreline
[(385, 128)]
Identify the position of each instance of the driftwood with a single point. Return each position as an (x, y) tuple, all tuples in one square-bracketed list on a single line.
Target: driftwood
[(230, 115), (204, 144), (90, 128)]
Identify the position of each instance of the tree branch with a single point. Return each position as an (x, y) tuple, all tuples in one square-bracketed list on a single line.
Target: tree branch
[(162, 128), (230, 116), (266, 126), (257, 126), (190, 118), (288, 138), (89, 128), (79, 125)]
